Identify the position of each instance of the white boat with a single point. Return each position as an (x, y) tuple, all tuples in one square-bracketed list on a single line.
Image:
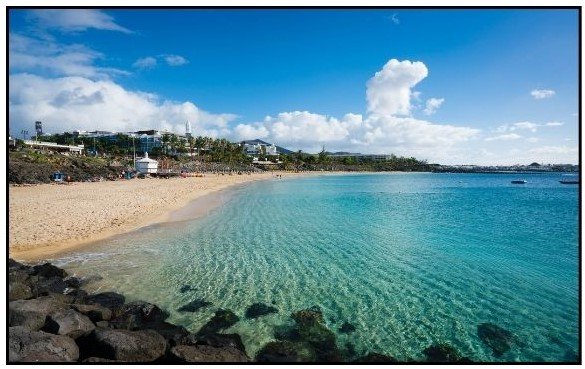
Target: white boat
[(569, 179), (519, 181)]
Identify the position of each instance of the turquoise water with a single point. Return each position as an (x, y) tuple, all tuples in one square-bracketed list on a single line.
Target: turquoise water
[(409, 259)]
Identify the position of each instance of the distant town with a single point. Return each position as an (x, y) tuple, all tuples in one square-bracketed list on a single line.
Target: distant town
[(154, 151)]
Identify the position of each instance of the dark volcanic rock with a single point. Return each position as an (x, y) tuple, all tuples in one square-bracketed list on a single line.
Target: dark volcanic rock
[(312, 329), (308, 316), (209, 354), (72, 282), (78, 296), (215, 340), (194, 306), (32, 313), (496, 338), (186, 288), (286, 332), (28, 346), (347, 328), (68, 323), (15, 265), (221, 320), (20, 275), (172, 333), (442, 353), (100, 360), (48, 270), (286, 352), (136, 314), (94, 312), (259, 309), (118, 344), (376, 358), (18, 290), (111, 300), (50, 285)]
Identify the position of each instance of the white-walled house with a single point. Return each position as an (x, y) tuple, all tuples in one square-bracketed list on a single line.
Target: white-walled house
[(146, 165)]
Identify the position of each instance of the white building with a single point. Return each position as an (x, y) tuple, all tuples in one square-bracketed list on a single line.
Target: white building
[(257, 147), (146, 165)]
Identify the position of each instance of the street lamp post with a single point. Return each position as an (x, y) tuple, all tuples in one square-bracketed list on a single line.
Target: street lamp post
[(134, 147)]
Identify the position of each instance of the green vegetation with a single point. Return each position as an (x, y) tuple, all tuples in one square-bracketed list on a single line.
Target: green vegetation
[(108, 157)]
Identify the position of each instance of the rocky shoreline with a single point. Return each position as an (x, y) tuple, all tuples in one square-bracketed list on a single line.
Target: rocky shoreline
[(52, 319)]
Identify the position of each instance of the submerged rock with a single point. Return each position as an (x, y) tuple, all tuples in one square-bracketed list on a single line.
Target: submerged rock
[(259, 309), (25, 345), (443, 353), (287, 352), (186, 288), (347, 328), (221, 320), (308, 316), (68, 323), (375, 358), (312, 329), (496, 338), (216, 340), (206, 354), (195, 305)]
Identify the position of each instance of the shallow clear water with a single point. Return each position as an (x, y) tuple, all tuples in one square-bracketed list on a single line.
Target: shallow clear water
[(409, 259)]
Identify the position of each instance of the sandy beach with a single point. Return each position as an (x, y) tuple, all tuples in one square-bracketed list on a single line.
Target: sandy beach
[(50, 219)]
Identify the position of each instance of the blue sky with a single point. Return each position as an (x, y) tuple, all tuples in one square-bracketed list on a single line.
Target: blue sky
[(449, 86)]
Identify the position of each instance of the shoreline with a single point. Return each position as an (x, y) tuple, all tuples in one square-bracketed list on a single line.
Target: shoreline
[(93, 212)]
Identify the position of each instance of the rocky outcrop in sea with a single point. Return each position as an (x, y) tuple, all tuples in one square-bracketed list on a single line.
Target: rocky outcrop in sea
[(53, 319)]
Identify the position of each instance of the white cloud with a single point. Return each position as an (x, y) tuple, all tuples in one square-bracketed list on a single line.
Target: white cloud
[(554, 150), (75, 20), (175, 60), (528, 126), (73, 103), (505, 137), (554, 124), (533, 139), (250, 132), (375, 134), (145, 63), (394, 19), (29, 54), (389, 90), (432, 105), (542, 94)]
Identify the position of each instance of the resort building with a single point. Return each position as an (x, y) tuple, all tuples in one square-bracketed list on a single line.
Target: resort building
[(257, 148), (52, 146), (146, 165)]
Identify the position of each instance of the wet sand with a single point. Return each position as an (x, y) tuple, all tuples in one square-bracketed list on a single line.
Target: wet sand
[(51, 219)]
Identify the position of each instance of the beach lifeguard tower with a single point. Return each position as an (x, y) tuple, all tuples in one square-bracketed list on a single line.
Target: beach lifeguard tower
[(58, 177), (146, 165)]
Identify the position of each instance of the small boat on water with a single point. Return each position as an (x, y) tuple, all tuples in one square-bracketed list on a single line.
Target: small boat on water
[(569, 179), (519, 181)]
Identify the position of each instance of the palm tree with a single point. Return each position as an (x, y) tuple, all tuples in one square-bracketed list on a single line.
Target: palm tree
[(191, 141), (174, 143), (165, 140)]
